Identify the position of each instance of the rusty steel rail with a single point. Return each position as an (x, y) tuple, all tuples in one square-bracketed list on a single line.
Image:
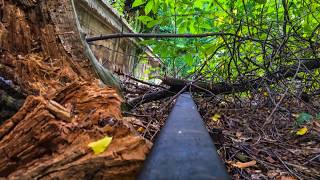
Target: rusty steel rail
[(184, 149)]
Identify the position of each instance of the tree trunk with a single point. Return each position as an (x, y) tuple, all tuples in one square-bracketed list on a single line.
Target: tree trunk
[(42, 63)]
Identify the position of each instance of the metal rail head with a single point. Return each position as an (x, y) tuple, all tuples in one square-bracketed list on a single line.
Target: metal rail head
[(184, 148)]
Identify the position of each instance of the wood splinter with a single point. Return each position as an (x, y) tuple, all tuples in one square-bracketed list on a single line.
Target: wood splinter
[(59, 111)]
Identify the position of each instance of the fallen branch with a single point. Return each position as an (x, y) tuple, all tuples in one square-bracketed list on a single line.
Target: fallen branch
[(140, 81), (225, 88), (154, 96)]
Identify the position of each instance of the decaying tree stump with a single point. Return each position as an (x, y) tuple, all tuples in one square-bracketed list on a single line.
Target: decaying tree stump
[(65, 107)]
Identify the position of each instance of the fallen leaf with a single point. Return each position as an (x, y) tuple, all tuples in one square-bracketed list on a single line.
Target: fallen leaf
[(244, 165), (229, 162), (100, 145), (265, 94), (216, 117), (303, 118), (270, 159), (242, 157), (222, 104), (272, 174), (302, 131), (140, 129), (316, 124), (286, 178), (238, 134), (133, 121)]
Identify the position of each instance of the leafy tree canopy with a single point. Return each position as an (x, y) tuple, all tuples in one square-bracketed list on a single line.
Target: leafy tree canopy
[(266, 35)]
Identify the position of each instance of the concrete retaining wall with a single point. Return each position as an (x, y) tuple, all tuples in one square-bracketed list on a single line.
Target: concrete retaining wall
[(97, 17)]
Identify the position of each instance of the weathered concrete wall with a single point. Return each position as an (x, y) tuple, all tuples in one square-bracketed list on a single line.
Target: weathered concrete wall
[(97, 17)]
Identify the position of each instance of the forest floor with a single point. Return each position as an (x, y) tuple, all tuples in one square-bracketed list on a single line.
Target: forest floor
[(50, 134), (254, 139)]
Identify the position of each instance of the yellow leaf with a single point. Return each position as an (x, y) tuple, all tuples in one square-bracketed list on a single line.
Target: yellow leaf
[(216, 117), (141, 129), (302, 131), (244, 165), (265, 94), (100, 145)]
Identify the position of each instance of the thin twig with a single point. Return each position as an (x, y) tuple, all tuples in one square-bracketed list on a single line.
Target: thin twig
[(285, 165)]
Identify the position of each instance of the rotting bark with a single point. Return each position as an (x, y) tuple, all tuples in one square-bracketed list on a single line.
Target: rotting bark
[(56, 143), (43, 57)]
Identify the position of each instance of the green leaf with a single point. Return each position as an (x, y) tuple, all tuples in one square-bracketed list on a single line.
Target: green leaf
[(198, 4), (153, 23), (149, 41), (182, 27), (148, 7), (209, 49), (261, 1), (189, 59), (303, 118), (101, 145), (137, 3), (192, 28), (156, 5), (145, 19), (205, 25)]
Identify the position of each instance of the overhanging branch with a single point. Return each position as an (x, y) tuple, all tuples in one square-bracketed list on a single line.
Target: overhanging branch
[(143, 35)]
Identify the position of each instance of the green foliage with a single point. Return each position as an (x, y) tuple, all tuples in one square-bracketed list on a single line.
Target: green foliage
[(261, 1), (118, 5), (148, 7), (266, 35), (138, 3)]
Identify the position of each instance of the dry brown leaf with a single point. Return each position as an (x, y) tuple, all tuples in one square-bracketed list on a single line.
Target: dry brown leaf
[(286, 178), (244, 165), (272, 174), (133, 121), (270, 159), (238, 134), (316, 126)]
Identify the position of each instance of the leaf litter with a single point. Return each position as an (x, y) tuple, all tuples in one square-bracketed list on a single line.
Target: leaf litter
[(286, 149)]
